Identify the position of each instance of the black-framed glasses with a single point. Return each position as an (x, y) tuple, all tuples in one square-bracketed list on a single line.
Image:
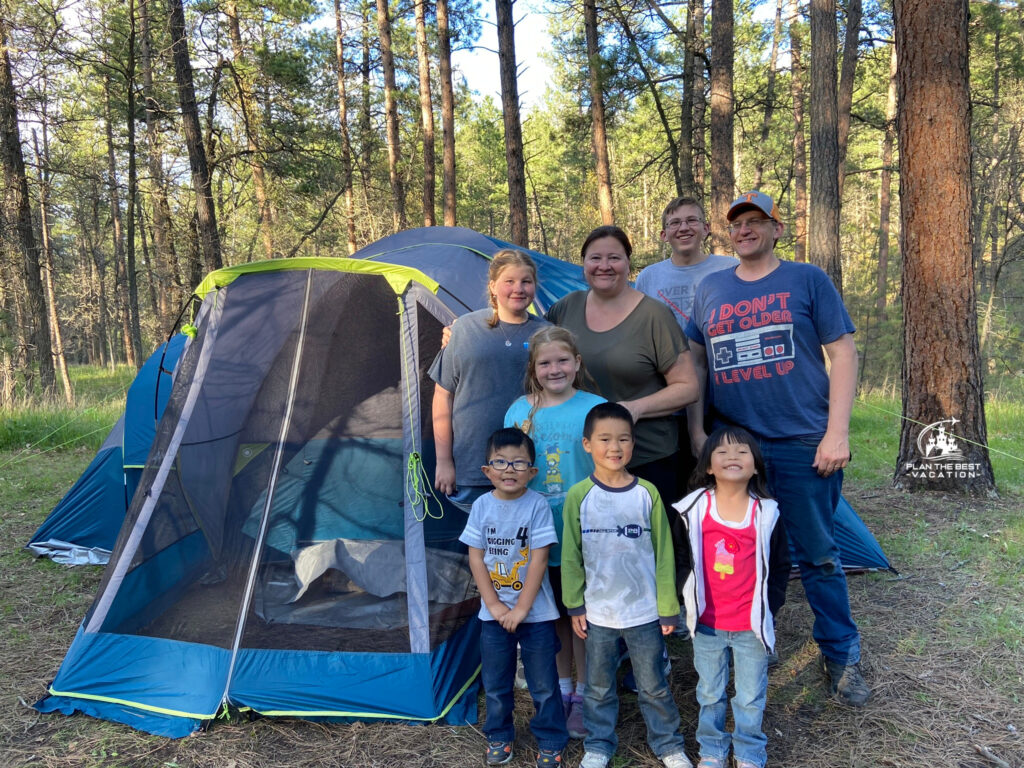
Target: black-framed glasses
[(736, 227), (519, 465), (692, 222)]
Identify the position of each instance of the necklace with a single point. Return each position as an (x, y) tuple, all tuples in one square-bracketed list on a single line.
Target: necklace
[(508, 341)]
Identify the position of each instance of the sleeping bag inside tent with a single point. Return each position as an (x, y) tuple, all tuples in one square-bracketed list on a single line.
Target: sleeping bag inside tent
[(83, 527), (284, 552)]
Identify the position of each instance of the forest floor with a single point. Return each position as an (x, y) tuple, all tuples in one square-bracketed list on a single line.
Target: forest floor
[(943, 653)]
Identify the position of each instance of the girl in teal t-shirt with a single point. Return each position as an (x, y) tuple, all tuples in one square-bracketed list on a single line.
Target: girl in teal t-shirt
[(552, 413)]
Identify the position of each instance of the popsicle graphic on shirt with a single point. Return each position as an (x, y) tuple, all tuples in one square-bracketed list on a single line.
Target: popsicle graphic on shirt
[(725, 557)]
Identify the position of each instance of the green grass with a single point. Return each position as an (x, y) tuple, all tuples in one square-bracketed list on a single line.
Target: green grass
[(99, 401), (875, 439)]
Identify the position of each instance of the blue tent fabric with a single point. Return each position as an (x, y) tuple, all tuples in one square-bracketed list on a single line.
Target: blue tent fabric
[(457, 258), (83, 527), (858, 548)]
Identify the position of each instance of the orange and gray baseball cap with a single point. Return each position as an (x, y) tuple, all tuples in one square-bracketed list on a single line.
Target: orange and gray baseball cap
[(758, 200)]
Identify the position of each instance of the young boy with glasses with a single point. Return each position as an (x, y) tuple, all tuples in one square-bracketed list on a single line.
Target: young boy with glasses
[(508, 534)]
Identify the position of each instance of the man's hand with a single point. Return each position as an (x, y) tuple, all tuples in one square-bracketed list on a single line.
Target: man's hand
[(833, 454)]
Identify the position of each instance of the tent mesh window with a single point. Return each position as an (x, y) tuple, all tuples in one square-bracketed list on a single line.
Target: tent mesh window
[(279, 518)]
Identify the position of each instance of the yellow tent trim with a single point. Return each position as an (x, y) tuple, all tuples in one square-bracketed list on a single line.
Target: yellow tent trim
[(398, 277)]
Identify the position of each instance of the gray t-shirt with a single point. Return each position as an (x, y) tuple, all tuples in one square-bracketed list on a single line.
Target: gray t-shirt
[(508, 532), (674, 286), (484, 368)]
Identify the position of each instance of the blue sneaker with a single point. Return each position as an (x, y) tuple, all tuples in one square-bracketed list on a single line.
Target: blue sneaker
[(499, 752)]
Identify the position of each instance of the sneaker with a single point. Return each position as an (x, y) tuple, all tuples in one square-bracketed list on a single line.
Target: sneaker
[(574, 718), (746, 764), (677, 760), (549, 758), (499, 752), (594, 760), (711, 762), (846, 682)]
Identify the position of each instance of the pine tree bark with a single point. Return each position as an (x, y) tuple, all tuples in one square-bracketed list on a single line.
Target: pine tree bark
[(700, 101), (941, 366), (520, 233), (117, 230), (769, 95), (165, 257), (16, 224), (251, 123), (825, 202), (426, 113), (206, 216), (885, 193), (444, 60), (799, 139), (134, 323), (723, 184), (398, 215), (849, 69), (57, 337), (598, 132), (346, 142)]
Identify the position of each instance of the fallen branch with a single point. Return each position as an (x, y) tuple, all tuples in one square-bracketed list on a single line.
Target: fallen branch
[(988, 754)]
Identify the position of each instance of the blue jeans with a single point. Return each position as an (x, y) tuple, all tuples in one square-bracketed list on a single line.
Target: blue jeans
[(539, 645), (807, 503), (465, 495), (601, 699), (711, 650)]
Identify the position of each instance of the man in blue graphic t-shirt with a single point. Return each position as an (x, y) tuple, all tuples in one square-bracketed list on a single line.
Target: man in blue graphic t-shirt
[(758, 331)]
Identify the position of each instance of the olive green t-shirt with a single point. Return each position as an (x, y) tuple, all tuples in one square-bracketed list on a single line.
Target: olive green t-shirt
[(628, 362)]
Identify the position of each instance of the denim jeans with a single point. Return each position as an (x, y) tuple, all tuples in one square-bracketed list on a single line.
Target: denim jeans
[(539, 645), (465, 495), (807, 503), (601, 699), (711, 650)]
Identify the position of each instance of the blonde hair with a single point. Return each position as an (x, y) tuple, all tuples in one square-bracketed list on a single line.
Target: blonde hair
[(506, 257), (549, 334)]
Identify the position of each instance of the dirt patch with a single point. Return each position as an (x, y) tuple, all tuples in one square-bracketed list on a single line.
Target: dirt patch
[(942, 692)]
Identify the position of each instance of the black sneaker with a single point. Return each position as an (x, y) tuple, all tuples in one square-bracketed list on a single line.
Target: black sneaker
[(499, 752), (549, 758), (846, 682)]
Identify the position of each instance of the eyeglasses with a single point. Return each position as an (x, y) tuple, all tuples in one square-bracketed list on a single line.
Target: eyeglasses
[(691, 222), (749, 223), (519, 465)]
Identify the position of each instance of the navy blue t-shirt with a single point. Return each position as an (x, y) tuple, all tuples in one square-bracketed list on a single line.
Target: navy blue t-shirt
[(763, 338)]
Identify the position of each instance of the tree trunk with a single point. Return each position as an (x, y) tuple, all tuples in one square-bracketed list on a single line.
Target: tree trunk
[(366, 135), (885, 192), (845, 98), (700, 102), (799, 140), (825, 203), (206, 215), (769, 96), (598, 134), (399, 219), (117, 230), (57, 336), (135, 326), (723, 185), (16, 223), (346, 143), (251, 122), (165, 257), (686, 183), (444, 58), (942, 382), (520, 232), (426, 113)]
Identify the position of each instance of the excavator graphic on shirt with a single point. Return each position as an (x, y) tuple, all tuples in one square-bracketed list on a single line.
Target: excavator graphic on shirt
[(503, 576)]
